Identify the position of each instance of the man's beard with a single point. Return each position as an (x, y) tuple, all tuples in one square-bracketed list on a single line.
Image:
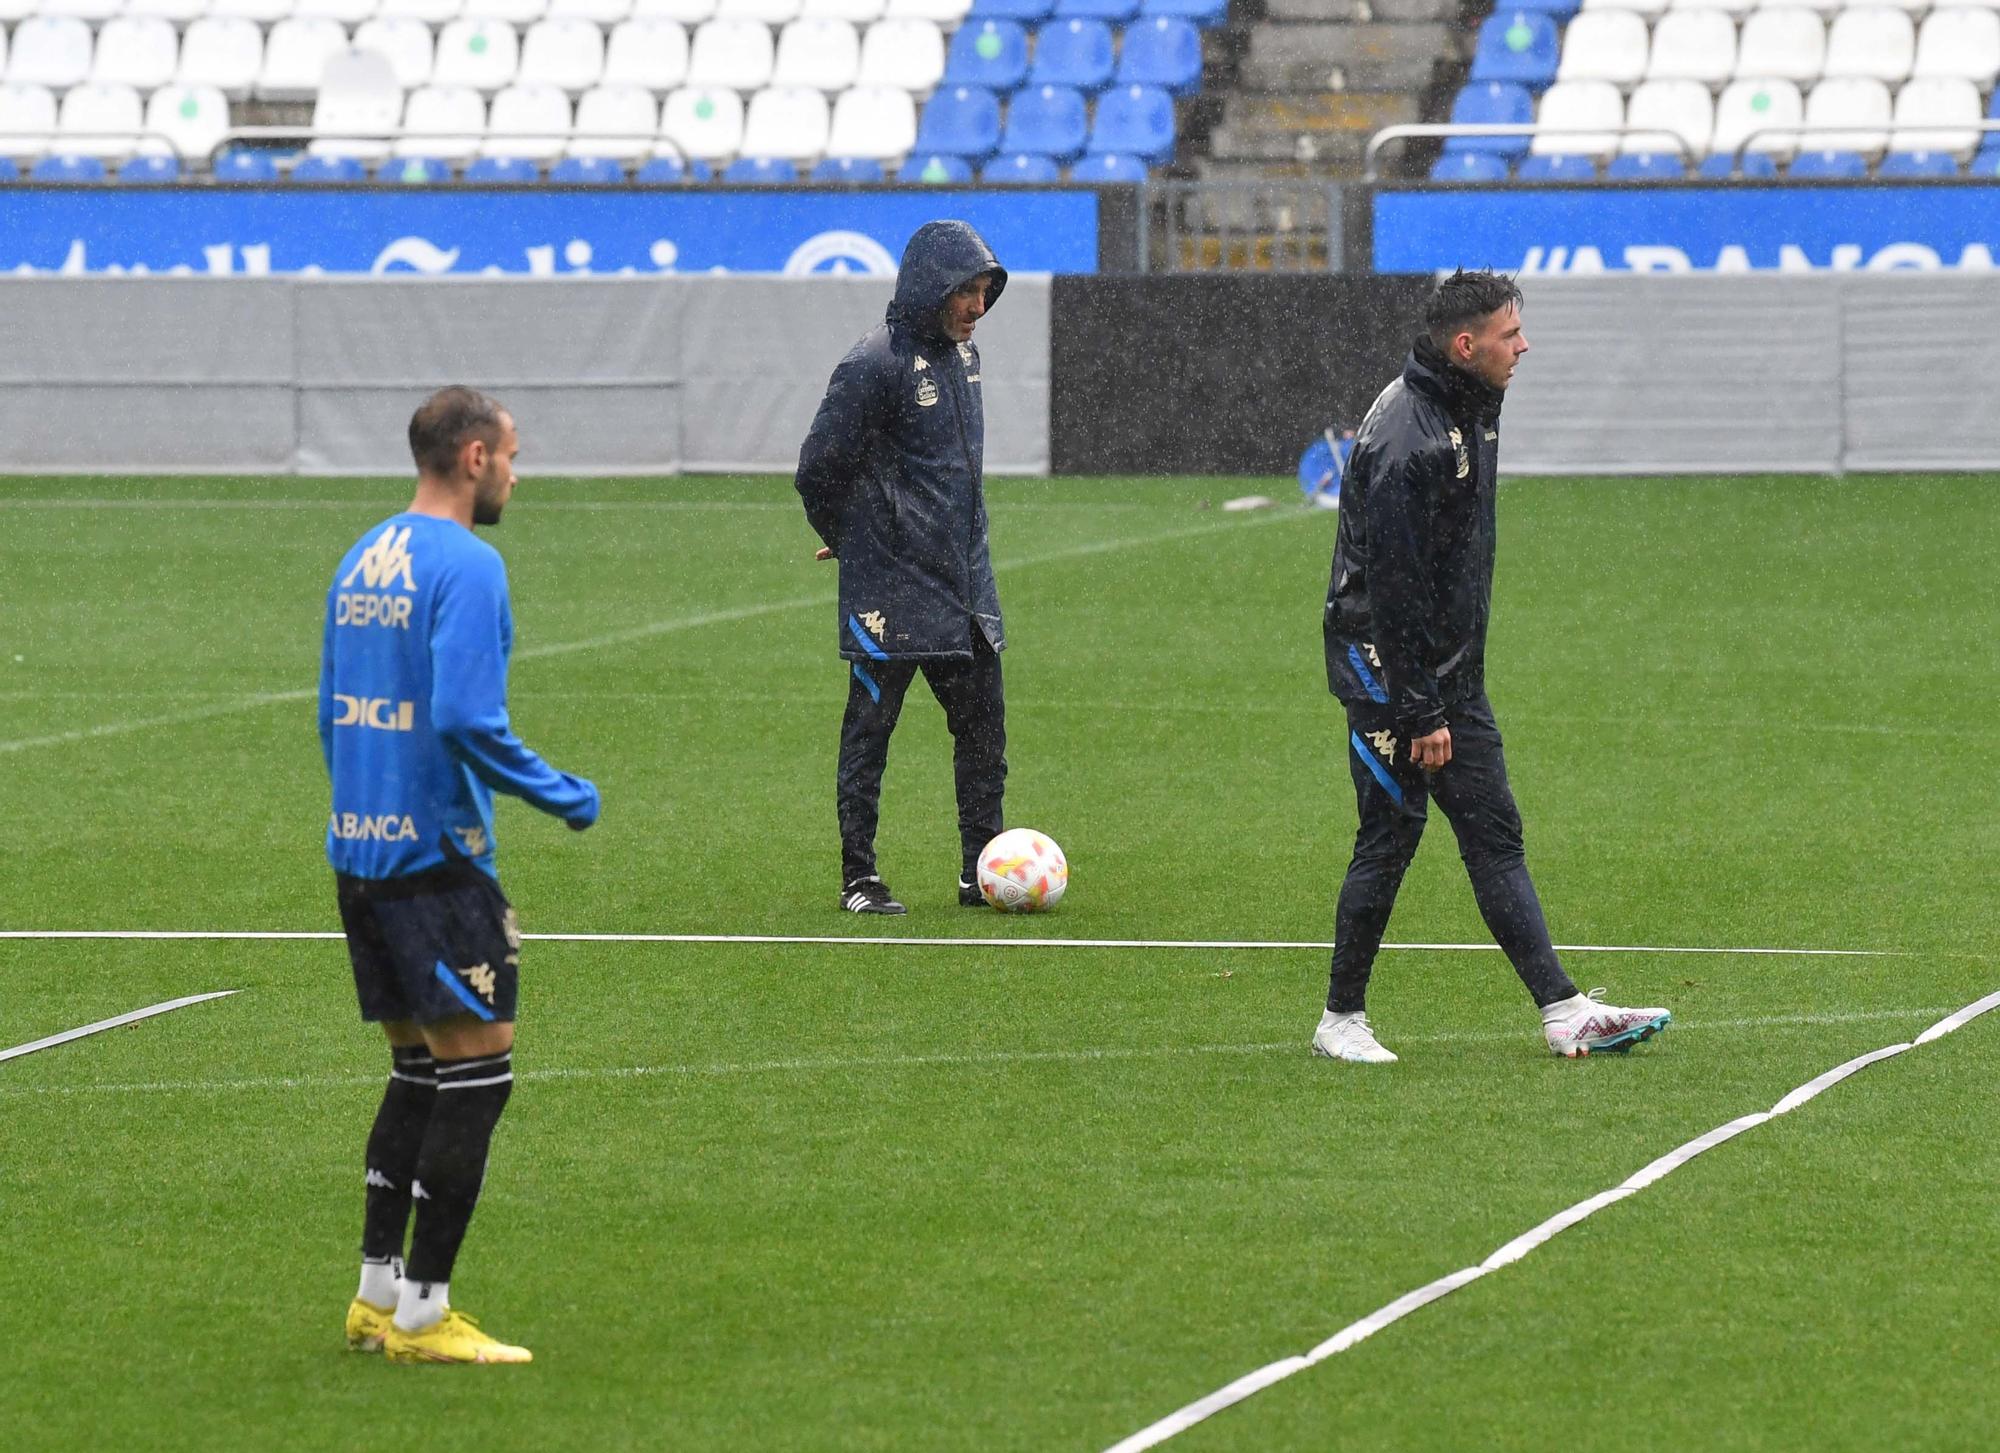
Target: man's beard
[(486, 509)]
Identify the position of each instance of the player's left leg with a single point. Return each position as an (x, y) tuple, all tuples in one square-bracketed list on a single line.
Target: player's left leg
[(975, 712)]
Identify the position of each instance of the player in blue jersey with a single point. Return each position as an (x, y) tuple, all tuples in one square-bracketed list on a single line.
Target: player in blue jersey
[(413, 722)]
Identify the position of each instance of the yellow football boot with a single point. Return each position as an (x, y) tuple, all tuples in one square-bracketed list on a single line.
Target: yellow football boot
[(367, 1324), (456, 1338)]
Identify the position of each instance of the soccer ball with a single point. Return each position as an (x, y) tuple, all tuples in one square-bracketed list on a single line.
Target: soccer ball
[(1023, 871)]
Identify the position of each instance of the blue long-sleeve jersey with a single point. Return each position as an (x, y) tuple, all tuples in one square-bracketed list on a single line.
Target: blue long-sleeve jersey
[(413, 704)]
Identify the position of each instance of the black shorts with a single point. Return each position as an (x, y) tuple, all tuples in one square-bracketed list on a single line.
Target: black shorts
[(431, 945)]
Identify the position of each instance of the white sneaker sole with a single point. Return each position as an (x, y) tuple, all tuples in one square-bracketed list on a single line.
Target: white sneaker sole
[(1614, 1043)]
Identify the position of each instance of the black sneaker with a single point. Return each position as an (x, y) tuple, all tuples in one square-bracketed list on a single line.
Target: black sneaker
[(969, 895), (869, 895)]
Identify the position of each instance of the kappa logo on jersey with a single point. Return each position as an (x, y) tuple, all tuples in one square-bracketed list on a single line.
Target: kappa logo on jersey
[(511, 926), (1385, 743), (1491, 435), (374, 711), (926, 392), (473, 839), (965, 354), (1464, 459), (481, 979), (383, 566), (379, 827), (921, 364), (1373, 659), (873, 619), (377, 1179)]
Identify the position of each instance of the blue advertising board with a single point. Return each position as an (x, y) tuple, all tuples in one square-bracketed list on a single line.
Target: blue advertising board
[(527, 233), (1735, 228)]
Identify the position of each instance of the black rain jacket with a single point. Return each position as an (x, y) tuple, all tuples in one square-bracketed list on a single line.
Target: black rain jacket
[(1412, 585), (891, 471)]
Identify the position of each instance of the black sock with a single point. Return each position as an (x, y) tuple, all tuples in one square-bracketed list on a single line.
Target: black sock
[(392, 1150), (471, 1093)]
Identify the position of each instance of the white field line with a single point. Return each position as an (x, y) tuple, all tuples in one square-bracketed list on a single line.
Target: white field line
[(103, 1024), (307, 935), (968, 1060), (1256, 1381), (644, 632)]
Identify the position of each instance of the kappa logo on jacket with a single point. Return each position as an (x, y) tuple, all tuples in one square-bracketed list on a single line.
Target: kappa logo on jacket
[(1385, 743), (1464, 459), (874, 621)]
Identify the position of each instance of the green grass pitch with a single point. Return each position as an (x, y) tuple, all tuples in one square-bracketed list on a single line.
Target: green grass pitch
[(843, 1197)]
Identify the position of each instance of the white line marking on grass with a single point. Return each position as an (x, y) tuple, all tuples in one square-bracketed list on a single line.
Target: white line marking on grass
[(103, 1024), (725, 1069), (1180, 1421)]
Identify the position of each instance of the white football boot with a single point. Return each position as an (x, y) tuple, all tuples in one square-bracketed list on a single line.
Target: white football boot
[(1348, 1037), (1580, 1025)]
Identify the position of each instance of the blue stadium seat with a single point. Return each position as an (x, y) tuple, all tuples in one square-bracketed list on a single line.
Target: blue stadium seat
[(248, 168), (989, 53), (1470, 166), (1646, 166), (150, 170), (1556, 9), (505, 170), (416, 171), (960, 121), (847, 169), (1919, 164), (666, 170), (935, 168), (1492, 103), (10, 170), (1828, 165), (1010, 10), (1138, 119), (1519, 46), (1021, 166), (328, 169), (1073, 53), (1201, 12), (1109, 166), (762, 171), (1563, 168), (67, 169), (587, 171), (1047, 120), (1164, 51), (1096, 9), (1757, 166)]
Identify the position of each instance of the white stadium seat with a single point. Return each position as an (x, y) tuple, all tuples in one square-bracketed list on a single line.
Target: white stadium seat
[(1693, 45), (1875, 43), (445, 123), (652, 54), (27, 120), (140, 51), (1605, 45), (877, 123), (704, 123), (854, 12), (788, 122), (483, 54), (732, 53), (765, 12), (13, 11), (1651, 9), (946, 13), (226, 52), (597, 12), (686, 12), (1914, 7), (1949, 102), (360, 94), (1960, 43), (528, 121), (619, 122), (1748, 109), (1576, 107), (1847, 101), (1684, 108), (180, 12), (406, 44), (261, 12), (193, 118), (1786, 40), (822, 54), (50, 50), (430, 12), (904, 53), (295, 55), (99, 120), (93, 12), (342, 12), (517, 13), (1733, 8), (567, 54)]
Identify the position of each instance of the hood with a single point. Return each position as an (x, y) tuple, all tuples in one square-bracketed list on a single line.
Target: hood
[(941, 258), (1464, 395)]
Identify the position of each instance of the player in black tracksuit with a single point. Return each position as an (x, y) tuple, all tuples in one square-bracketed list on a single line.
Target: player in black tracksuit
[(1405, 629), (892, 479)]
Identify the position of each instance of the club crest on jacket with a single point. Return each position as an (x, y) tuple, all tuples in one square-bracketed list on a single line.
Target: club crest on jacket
[(926, 392)]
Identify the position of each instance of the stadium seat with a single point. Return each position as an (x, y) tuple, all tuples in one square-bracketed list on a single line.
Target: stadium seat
[(705, 123), (99, 120), (1847, 101), (177, 12), (1948, 104), (567, 54), (934, 169), (529, 122), (1747, 110), (1024, 10), (615, 122), (482, 54), (1787, 41), (1918, 164), (246, 168), (1491, 103), (340, 12), (904, 53), (67, 169), (988, 53), (1605, 45), (358, 99), (327, 169), (878, 123), (148, 171), (1693, 45), (445, 122), (847, 169), (671, 171), (1201, 12), (27, 120), (1874, 43), (945, 14), (1046, 120), (1721, 167), (226, 53), (961, 121), (517, 13), (50, 50), (1572, 112), (788, 123), (1470, 166), (192, 118), (1516, 45), (405, 43), (502, 170), (1650, 9), (1675, 108), (822, 54), (257, 12), (683, 12), (758, 171), (1164, 51), (854, 12), (1960, 43), (1114, 10), (736, 54), (1734, 9), (1555, 9), (1109, 166), (413, 171), (1075, 53), (138, 51), (295, 55), (601, 13), (652, 54), (1986, 162), (764, 12), (1557, 167), (587, 171), (426, 12), (1645, 166), (1828, 166), (1021, 167), (1135, 119)]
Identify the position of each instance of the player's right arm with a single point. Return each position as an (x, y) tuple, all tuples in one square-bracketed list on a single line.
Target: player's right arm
[(837, 442)]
